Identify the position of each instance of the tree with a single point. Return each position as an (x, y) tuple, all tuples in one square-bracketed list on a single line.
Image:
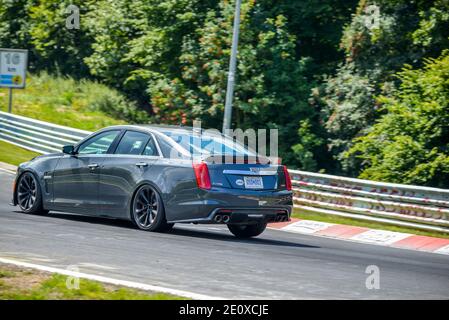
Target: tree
[(270, 79), (406, 32), (13, 20), (138, 41), (55, 47), (172, 56), (410, 142)]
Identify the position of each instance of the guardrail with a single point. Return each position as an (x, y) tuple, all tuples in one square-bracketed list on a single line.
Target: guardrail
[(398, 204), (35, 135)]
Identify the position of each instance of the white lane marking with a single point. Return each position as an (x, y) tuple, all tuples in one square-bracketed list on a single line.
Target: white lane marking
[(380, 236), (307, 226), (443, 250), (96, 266), (215, 229), (201, 228), (42, 259), (131, 284), (7, 171)]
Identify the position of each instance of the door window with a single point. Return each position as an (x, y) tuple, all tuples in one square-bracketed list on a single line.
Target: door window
[(98, 144), (136, 143)]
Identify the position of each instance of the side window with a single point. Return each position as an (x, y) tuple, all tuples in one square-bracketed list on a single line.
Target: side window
[(167, 150), (133, 143), (150, 148), (98, 144)]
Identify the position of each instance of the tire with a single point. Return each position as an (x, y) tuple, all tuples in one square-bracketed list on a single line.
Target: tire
[(29, 194), (248, 230), (147, 210)]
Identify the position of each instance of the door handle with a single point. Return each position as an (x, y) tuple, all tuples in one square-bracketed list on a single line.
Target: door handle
[(141, 164), (93, 166)]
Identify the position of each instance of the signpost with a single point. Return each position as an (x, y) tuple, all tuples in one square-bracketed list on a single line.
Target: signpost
[(13, 67)]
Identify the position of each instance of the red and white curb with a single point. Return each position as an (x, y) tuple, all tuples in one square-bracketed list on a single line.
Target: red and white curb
[(365, 235)]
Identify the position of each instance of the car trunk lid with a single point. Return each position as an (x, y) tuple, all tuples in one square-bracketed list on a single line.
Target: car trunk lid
[(246, 175)]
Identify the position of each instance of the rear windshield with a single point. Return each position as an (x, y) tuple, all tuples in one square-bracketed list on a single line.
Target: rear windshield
[(208, 145)]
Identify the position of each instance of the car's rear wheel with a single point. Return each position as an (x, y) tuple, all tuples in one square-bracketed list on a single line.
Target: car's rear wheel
[(248, 230), (29, 194), (148, 210)]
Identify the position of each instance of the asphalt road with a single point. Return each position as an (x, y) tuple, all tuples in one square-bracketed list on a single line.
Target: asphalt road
[(208, 260)]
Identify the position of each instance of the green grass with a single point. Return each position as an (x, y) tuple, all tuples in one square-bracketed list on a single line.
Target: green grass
[(368, 224), (65, 101), (6, 274), (12, 154), (23, 284)]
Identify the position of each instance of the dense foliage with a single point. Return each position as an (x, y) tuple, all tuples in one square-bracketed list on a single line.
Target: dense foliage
[(328, 74), (407, 32), (410, 142)]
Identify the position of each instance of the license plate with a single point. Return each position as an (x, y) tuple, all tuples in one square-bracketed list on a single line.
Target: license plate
[(253, 182)]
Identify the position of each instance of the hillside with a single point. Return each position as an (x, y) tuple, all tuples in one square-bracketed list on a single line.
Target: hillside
[(83, 104)]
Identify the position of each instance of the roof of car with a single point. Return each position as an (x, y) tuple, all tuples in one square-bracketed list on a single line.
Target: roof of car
[(148, 126), (162, 127), (155, 127)]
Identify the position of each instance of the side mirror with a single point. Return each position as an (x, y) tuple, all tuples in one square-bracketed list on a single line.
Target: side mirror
[(68, 149)]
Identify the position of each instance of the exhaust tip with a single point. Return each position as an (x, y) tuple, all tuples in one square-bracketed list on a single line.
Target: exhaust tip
[(281, 218), (226, 218), (218, 218)]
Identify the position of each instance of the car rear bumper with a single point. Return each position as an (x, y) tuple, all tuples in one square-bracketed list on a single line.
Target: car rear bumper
[(243, 216), (251, 215), (240, 207)]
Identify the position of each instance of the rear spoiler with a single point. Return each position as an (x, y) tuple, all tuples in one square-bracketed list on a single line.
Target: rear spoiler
[(230, 159)]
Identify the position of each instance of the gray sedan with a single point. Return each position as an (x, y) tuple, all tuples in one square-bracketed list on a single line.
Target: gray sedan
[(157, 176)]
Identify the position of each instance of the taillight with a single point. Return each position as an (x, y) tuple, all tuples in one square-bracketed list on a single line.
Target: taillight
[(202, 175), (288, 180)]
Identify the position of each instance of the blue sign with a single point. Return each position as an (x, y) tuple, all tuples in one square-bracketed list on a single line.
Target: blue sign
[(5, 79)]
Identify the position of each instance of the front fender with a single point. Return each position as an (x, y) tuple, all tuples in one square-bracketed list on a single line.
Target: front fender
[(39, 167)]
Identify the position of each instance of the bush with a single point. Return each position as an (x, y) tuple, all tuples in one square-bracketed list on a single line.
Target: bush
[(410, 143), (111, 102)]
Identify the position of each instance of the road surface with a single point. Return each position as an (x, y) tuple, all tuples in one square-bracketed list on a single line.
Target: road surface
[(209, 260)]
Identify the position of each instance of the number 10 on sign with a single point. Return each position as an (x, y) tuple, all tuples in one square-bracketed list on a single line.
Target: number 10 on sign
[(13, 67)]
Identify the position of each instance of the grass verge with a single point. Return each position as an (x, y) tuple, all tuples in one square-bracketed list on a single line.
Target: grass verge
[(84, 104), (27, 284), (367, 224), (15, 155)]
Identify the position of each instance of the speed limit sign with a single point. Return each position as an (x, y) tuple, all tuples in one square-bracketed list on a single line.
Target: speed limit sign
[(13, 67)]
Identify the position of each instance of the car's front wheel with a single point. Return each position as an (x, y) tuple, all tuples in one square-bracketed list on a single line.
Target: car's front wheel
[(29, 194), (148, 210), (247, 231)]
